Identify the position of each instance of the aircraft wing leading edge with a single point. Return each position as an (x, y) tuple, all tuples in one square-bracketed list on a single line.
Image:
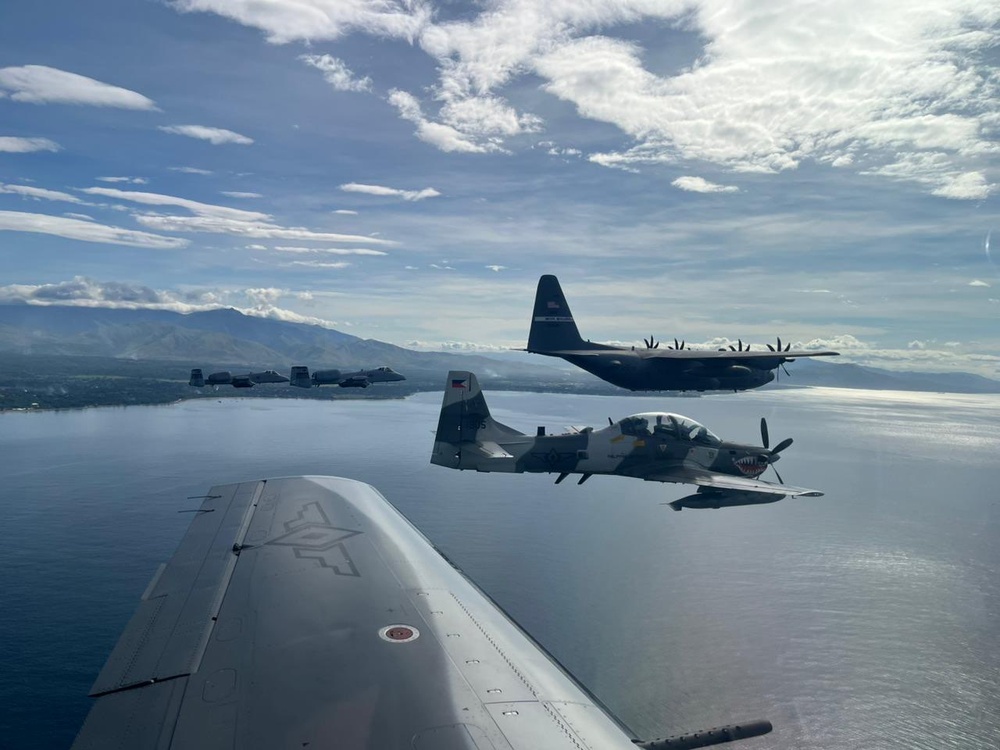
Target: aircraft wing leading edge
[(691, 475), (307, 612)]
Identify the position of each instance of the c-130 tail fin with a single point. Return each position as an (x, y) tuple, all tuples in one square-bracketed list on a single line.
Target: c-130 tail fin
[(552, 326)]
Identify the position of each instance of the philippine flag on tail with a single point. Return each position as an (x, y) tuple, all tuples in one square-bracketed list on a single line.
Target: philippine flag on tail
[(458, 383)]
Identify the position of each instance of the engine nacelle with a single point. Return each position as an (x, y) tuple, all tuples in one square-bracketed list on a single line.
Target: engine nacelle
[(326, 377), (220, 378)]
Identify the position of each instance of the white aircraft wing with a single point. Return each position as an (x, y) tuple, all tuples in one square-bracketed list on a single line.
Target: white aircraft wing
[(306, 612)]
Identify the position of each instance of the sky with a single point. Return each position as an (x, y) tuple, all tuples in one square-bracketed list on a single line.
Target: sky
[(710, 170)]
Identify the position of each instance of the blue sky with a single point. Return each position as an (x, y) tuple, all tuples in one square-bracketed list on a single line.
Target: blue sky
[(711, 169)]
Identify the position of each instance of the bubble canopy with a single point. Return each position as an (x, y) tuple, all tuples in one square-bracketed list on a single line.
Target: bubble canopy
[(670, 425)]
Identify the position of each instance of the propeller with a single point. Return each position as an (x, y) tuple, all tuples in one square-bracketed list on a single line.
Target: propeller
[(677, 345), (738, 348), (772, 455), (779, 348), (651, 343)]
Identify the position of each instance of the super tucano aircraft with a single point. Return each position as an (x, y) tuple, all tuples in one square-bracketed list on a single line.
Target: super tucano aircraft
[(357, 379), (198, 380), (654, 446), (674, 368), (307, 612)]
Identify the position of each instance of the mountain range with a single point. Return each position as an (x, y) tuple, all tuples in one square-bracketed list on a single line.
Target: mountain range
[(229, 339)]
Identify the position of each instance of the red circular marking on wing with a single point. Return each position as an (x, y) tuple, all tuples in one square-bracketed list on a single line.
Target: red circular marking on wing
[(399, 633)]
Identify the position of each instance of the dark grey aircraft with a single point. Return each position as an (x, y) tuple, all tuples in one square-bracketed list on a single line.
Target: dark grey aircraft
[(673, 368), (358, 379), (306, 612), (654, 446), (198, 380)]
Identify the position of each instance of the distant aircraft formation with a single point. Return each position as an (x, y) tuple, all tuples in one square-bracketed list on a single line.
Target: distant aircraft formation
[(654, 446), (674, 368), (300, 378)]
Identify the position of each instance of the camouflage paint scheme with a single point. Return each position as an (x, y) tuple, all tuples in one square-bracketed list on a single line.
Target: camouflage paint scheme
[(653, 446), (554, 333)]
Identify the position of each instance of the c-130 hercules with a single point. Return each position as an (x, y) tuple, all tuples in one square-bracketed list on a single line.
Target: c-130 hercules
[(654, 446), (674, 368)]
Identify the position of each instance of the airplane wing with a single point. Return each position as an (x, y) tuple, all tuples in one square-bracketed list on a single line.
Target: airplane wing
[(691, 475), (730, 356), (703, 355), (307, 612)]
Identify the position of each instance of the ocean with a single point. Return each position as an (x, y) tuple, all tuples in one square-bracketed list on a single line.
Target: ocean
[(867, 618)]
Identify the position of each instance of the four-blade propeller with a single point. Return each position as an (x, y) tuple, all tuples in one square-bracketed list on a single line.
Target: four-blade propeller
[(772, 454)]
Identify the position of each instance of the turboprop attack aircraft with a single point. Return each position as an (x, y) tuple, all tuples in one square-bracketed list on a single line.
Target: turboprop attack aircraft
[(198, 380), (674, 368), (654, 446)]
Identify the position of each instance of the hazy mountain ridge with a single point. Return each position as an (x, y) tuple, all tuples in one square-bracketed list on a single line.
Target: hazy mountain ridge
[(228, 339)]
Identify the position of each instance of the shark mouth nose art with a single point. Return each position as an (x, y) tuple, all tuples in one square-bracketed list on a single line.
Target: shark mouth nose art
[(751, 466)]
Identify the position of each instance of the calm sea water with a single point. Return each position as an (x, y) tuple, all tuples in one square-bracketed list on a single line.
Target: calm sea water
[(868, 618)]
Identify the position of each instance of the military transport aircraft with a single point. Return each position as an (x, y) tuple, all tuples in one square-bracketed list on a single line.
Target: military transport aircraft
[(357, 379), (198, 380), (655, 446), (307, 612), (673, 368)]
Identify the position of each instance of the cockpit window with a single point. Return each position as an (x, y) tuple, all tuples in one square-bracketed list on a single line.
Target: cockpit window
[(668, 425)]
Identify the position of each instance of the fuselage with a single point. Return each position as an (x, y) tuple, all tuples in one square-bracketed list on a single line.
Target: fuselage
[(635, 446), (629, 369)]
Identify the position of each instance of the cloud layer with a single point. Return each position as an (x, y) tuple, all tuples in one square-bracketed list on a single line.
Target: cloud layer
[(215, 136), (40, 84)]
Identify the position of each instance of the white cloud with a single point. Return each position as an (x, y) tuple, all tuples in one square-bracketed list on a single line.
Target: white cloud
[(40, 84), (346, 212), (904, 91), (131, 180), (407, 195), (321, 264), (496, 269), (336, 73), (248, 229), (444, 137), (39, 193), (330, 250), (256, 247), (83, 217), (978, 282), (14, 145), (190, 170), (86, 292), (239, 194), (215, 136), (315, 20), (965, 186), (701, 185), (199, 209), (87, 231)]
